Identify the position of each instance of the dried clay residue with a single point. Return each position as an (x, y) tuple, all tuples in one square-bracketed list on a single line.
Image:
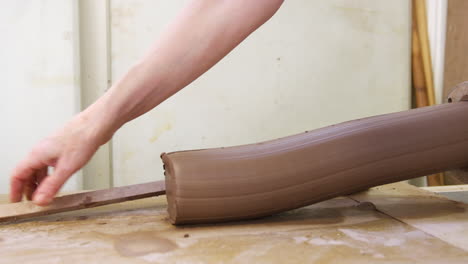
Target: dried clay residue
[(142, 243)]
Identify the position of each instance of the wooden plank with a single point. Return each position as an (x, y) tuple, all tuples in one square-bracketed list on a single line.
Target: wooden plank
[(335, 231), (456, 62), (23, 210), (420, 96), (456, 177), (420, 26), (456, 57), (434, 214), (453, 192), (447, 188)]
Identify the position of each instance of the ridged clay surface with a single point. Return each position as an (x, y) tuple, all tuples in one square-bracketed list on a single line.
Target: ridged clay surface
[(250, 181)]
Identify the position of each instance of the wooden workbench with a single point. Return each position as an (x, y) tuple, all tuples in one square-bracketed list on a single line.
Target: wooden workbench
[(389, 224)]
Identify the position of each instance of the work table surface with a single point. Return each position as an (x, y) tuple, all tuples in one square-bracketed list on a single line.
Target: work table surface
[(395, 223)]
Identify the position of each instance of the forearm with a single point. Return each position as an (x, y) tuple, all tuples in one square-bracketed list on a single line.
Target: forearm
[(203, 33)]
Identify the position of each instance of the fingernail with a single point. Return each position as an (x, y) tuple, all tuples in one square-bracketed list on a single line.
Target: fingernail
[(41, 199)]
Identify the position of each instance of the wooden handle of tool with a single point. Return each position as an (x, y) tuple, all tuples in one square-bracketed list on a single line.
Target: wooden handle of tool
[(16, 211), (257, 180)]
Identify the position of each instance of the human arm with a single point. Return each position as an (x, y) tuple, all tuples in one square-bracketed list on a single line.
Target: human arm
[(201, 35)]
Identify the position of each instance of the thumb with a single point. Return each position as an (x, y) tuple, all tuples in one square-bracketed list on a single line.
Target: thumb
[(51, 184)]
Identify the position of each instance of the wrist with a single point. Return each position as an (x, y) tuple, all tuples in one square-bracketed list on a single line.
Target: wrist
[(99, 121)]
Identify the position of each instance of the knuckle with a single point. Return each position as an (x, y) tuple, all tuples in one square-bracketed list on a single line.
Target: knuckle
[(37, 149), (45, 149)]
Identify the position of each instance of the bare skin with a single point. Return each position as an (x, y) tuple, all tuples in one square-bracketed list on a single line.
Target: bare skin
[(201, 35)]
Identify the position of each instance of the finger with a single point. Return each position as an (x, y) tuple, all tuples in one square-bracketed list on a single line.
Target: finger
[(40, 176), (50, 185), (24, 172), (16, 190), (19, 178), (30, 186)]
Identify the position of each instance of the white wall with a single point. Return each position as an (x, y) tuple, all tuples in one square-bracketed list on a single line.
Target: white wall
[(38, 76), (436, 24), (314, 64)]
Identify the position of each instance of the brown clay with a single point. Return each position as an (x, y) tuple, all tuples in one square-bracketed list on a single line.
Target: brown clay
[(256, 180)]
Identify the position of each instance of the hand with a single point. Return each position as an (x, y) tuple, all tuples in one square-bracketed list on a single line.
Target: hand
[(67, 150)]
